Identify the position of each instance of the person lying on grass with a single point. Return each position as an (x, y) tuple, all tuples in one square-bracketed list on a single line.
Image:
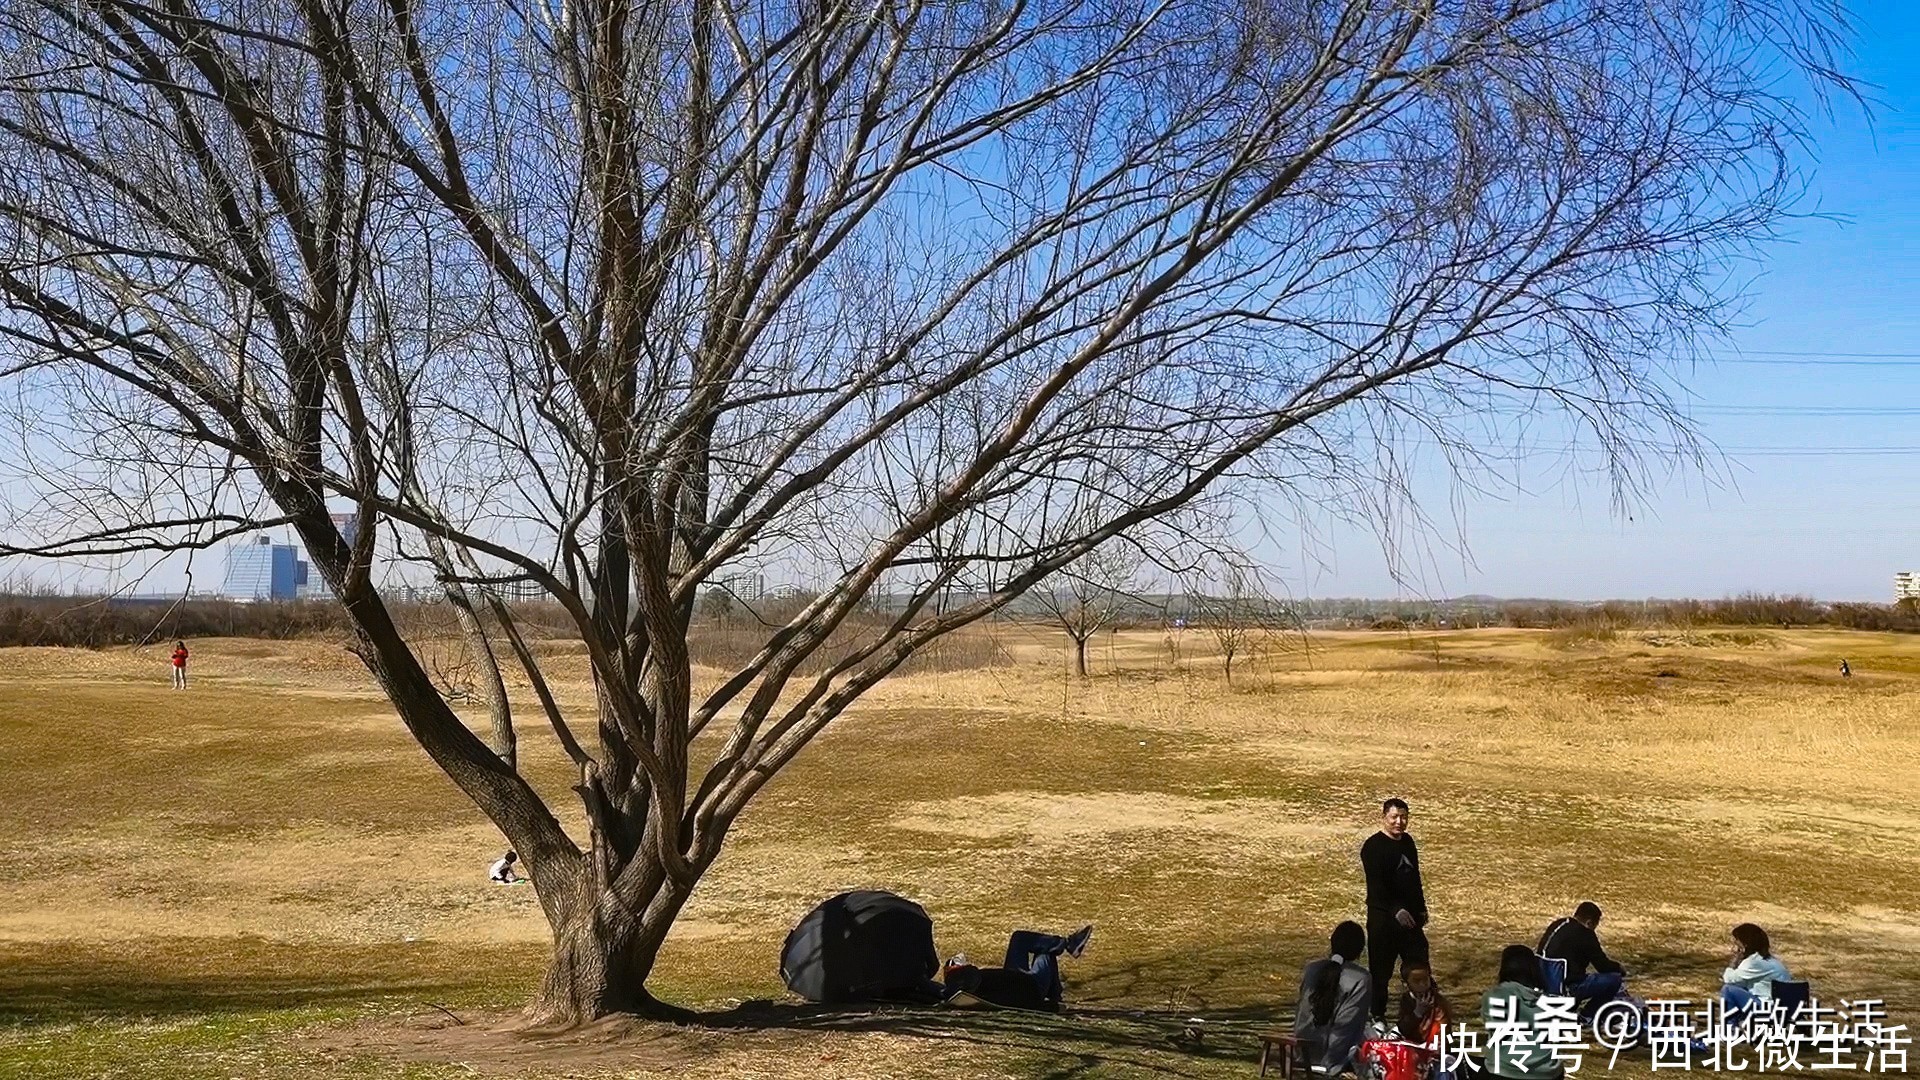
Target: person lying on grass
[(1030, 976)]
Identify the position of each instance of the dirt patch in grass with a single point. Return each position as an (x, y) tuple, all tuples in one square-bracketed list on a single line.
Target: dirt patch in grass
[(1051, 822)]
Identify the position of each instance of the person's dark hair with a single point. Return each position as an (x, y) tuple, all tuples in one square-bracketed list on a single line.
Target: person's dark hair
[(1519, 965), (1395, 803), (511, 857), (1420, 973), (1347, 943), (1588, 911), (1753, 939)]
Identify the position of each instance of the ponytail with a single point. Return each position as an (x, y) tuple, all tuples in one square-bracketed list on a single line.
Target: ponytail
[(1349, 941)]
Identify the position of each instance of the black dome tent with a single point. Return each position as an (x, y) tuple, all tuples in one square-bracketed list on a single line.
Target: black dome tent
[(862, 946)]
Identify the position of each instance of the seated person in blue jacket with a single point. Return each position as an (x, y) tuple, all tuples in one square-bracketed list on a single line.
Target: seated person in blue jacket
[(1030, 976), (1576, 940)]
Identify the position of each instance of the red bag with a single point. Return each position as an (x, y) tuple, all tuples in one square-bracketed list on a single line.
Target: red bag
[(1390, 1059)]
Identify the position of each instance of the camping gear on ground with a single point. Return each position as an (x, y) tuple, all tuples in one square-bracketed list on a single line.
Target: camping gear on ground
[(862, 946)]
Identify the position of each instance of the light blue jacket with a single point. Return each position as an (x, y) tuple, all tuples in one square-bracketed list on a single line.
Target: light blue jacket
[(1523, 1056), (1756, 974)]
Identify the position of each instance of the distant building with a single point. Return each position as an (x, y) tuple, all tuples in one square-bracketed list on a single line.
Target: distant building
[(1906, 585), (518, 590), (260, 569), (748, 587)]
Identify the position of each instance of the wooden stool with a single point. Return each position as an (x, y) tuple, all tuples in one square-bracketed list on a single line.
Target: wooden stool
[(1287, 1047)]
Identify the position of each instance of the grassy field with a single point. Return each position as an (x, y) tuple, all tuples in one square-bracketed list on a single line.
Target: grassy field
[(264, 877)]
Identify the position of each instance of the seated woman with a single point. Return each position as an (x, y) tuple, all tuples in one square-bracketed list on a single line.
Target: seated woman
[(1510, 1012), (1335, 993), (1751, 971)]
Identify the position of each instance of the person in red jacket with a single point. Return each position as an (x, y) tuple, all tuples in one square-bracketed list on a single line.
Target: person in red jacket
[(179, 665)]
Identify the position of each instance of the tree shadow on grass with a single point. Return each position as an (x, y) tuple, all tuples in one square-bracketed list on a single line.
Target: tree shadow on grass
[(1080, 1041), (162, 979), (1200, 1023), (165, 978)]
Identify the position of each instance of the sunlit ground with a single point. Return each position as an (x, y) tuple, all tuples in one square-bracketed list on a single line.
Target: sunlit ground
[(264, 877)]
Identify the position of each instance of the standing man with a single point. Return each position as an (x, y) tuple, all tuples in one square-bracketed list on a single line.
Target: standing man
[(1577, 941), (1396, 902)]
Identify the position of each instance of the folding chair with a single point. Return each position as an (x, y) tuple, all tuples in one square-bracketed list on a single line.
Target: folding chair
[(1790, 996), (1287, 1046), (1553, 974)]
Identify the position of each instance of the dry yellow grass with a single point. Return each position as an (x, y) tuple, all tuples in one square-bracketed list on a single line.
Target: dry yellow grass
[(238, 880)]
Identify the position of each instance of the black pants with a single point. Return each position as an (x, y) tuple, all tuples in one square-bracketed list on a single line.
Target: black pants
[(1389, 943)]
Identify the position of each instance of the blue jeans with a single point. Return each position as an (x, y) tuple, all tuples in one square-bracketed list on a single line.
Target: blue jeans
[(1595, 990), (1038, 955), (1737, 999)]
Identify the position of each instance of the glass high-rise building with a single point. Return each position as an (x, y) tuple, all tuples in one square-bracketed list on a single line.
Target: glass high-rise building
[(259, 569)]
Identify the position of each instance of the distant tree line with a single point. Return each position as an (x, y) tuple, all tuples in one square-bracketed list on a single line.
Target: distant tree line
[(100, 622), (96, 622), (1746, 609)]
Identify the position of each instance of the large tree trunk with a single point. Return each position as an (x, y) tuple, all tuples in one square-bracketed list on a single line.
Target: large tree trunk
[(601, 962), (605, 947), (1077, 656)]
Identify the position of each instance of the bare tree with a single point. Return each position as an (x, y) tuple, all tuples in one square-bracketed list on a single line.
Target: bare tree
[(617, 298), (1239, 611), (1090, 595), (1233, 618), (480, 665)]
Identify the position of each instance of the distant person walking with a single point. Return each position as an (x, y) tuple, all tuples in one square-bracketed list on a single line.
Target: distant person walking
[(1396, 902), (180, 665), (1846, 672)]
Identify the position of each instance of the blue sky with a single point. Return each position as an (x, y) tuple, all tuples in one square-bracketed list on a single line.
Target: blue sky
[(1785, 513), (1833, 525)]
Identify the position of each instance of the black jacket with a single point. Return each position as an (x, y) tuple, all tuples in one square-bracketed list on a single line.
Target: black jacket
[(1577, 944), (1004, 987), (1393, 876)]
